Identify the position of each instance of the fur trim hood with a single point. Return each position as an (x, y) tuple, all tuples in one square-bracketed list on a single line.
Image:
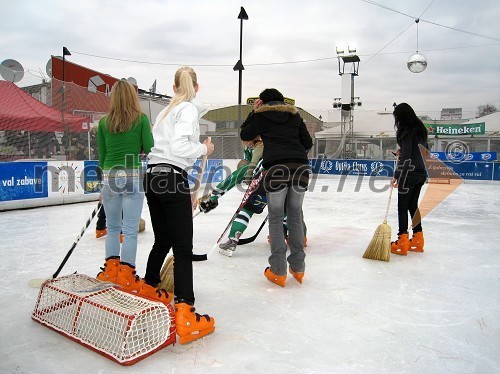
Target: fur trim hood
[(278, 107)]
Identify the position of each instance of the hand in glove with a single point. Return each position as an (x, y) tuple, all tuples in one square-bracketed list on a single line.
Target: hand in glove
[(207, 203)]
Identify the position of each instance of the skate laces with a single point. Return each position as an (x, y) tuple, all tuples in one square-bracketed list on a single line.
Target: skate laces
[(198, 316), (161, 292)]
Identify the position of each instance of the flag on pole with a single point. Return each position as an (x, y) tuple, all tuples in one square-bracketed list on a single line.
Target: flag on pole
[(153, 87)]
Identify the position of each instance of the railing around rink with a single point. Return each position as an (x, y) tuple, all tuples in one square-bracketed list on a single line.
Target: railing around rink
[(39, 183)]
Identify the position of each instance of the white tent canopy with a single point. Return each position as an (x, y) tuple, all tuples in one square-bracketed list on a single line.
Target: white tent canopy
[(366, 124), (492, 122)]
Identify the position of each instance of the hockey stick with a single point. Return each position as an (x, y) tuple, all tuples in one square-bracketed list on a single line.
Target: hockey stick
[(253, 237), (250, 190), (167, 269), (36, 283)]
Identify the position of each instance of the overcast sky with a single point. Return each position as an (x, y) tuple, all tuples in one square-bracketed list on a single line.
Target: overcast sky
[(289, 45)]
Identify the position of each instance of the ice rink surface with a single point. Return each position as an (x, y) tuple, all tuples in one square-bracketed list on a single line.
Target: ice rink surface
[(436, 312)]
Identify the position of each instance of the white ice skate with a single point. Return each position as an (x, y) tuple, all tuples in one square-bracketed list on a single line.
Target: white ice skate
[(228, 248)]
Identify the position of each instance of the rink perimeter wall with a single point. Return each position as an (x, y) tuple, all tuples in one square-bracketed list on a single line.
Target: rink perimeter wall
[(41, 183)]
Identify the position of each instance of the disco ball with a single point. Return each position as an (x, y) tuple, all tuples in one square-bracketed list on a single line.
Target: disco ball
[(417, 63)]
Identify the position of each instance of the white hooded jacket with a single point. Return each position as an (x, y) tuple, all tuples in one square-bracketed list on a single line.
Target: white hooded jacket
[(177, 136)]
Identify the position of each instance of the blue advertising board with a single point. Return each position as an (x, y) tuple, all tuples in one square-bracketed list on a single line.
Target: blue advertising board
[(213, 171), (496, 171), (23, 180), (460, 157), (352, 167), (472, 170), (90, 177)]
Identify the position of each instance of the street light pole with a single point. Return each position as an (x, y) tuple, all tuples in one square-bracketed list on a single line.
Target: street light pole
[(239, 65), (65, 53)]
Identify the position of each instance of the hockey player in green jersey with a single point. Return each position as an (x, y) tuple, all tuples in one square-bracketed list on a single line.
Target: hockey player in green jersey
[(254, 205)]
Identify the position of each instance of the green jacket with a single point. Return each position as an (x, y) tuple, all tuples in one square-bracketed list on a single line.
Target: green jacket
[(253, 155), (123, 149)]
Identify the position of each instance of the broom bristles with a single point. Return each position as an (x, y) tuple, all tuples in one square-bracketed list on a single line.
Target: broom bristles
[(167, 275), (380, 245)]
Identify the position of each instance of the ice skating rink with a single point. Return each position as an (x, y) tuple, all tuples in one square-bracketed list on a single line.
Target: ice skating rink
[(436, 312)]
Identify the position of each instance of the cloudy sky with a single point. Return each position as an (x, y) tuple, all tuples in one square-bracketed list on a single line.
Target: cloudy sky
[(290, 45)]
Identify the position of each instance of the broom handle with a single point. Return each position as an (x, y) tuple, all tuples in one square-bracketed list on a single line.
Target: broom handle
[(200, 178), (388, 204)]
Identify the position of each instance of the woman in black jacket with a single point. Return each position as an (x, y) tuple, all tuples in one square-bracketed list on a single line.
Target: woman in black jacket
[(286, 142), (409, 177)]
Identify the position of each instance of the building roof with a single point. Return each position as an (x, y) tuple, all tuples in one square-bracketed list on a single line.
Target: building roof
[(230, 114)]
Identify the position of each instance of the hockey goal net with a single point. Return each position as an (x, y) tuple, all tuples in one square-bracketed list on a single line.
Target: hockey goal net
[(121, 326)]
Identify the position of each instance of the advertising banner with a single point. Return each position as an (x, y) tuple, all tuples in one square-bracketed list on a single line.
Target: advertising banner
[(353, 167), (453, 129), (473, 170), (459, 157), (213, 172), (22, 180), (65, 177), (90, 177), (496, 171)]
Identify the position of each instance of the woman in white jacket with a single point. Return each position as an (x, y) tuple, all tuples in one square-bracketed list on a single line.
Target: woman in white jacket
[(176, 134)]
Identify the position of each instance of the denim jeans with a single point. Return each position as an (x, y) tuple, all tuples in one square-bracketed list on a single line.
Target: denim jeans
[(292, 197), (122, 194)]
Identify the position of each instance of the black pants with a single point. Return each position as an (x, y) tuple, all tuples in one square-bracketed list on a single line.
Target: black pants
[(408, 195), (101, 218), (169, 203)]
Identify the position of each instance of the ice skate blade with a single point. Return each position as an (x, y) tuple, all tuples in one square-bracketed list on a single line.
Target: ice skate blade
[(226, 252), (185, 339), (399, 252), (415, 249), (298, 276)]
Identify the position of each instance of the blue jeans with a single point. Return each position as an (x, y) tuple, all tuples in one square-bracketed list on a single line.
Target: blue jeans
[(122, 194), (293, 198)]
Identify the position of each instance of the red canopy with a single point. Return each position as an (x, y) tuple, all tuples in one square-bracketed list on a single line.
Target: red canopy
[(20, 111)]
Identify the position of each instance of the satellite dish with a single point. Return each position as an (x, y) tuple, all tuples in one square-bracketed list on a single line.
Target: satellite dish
[(132, 81), (48, 68), (11, 71)]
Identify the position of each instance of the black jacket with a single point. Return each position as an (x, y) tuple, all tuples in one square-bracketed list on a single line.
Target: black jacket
[(284, 133), (410, 159)]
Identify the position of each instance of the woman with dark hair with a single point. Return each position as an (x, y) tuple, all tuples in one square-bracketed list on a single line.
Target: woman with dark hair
[(409, 177), (286, 142)]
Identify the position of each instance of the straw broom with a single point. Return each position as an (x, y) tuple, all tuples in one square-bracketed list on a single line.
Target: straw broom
[(167, 275), (380, 245)]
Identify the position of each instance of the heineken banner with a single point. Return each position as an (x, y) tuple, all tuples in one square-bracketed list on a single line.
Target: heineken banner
[(453, 129)]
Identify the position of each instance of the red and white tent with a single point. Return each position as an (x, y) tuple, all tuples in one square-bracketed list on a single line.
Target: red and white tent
[(20, 111)]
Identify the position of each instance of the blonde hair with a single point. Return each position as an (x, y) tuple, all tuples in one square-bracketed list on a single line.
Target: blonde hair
[(125, 110), (185, 81)]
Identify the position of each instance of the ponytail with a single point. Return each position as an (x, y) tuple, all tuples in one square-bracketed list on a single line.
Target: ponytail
[(185, 80)]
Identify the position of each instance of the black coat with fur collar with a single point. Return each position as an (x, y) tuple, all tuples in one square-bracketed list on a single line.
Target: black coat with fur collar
[(284, 133)]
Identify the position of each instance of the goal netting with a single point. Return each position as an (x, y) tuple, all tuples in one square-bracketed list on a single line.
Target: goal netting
[(121, 326)]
